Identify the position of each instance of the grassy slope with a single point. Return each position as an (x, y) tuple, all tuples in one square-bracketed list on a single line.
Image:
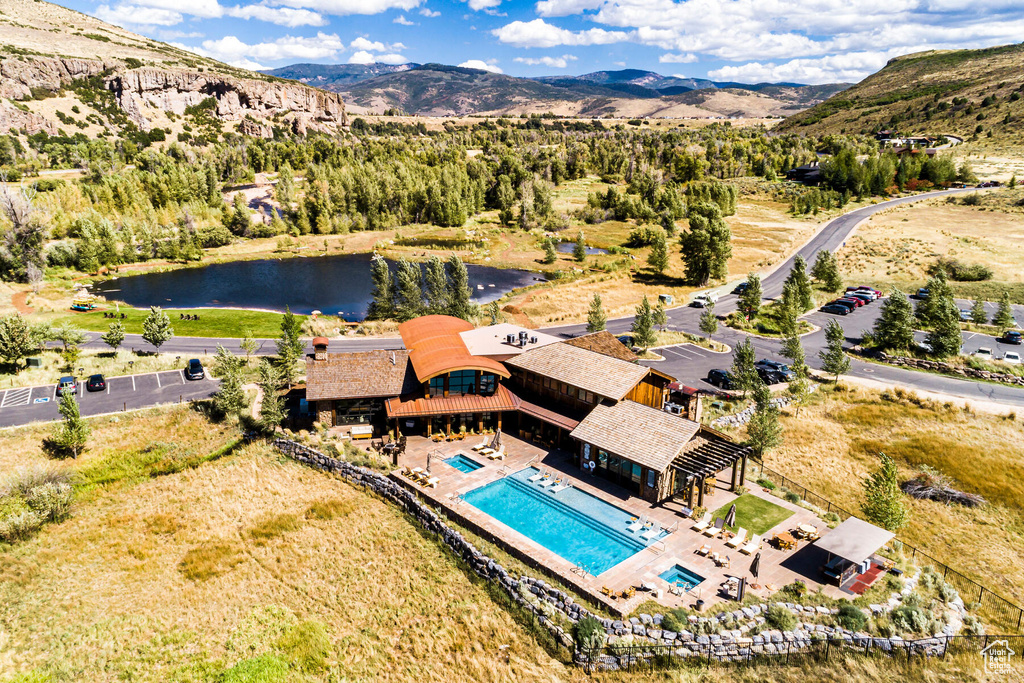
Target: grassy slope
[(907, 84), (212, 322)]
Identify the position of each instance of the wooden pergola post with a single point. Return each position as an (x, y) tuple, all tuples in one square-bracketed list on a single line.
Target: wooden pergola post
[(689, 493), (735, 471), (700, 492), (743, 468)]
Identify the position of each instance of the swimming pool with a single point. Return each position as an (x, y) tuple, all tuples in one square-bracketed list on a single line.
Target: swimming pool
[(678, 574), (573, 524), (463, 463)]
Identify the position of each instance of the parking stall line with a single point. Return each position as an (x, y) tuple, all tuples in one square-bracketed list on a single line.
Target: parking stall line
[(133, 382), (158, 385), (182, 373)]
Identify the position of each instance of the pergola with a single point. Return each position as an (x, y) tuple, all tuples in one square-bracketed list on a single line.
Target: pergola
[(707, 457)]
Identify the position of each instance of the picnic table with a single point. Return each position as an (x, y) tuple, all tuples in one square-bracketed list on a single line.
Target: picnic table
[(807, 530), (785, 540)]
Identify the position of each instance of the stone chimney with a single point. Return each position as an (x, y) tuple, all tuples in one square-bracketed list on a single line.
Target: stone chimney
[(320, 348), (695, 408)]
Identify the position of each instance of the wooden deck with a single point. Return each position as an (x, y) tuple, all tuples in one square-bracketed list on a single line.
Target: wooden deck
[(777, 567)]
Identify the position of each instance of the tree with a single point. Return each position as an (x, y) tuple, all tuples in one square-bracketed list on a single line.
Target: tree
[(239, 219), (290, 339), (749, 303), (802, 284), (979, 316), (22, 244), (114, 335), (436, 286), (1003, 319), (643, 326), (579, 249), (744, 372), (70, 338), (1013, 182), (894, 328), (938, 290), (494, 312), (72, 432), (789, 308), (382, 295), (408, 291), (589, 636), (826, 271), (944, 337), (550, 255), (833, 358), (272, 407), (658, 258), (764, 431), (659, 318), (708, 320), (248, 344), (883, 500), (230, 396), (707, 245), (459, 305), (156, 328), (15, 339), (596, 318)]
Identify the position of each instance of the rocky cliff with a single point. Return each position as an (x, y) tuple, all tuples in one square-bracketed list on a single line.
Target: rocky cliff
[(173, 90)]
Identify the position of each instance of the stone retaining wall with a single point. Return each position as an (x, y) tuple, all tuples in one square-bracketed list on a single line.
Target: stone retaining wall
[(949, 369), (645, 631)]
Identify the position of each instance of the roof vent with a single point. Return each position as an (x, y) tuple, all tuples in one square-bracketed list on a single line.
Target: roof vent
[(392, 357)]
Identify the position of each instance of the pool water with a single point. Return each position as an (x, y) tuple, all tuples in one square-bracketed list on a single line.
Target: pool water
[(678, 574), (462, 463), (573, 524)]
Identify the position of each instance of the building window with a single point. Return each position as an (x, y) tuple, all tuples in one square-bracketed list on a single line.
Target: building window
[(566, 389), (652, 478), (602, 459), (462, 382), (636, 472), (488, 384), (437, 386)]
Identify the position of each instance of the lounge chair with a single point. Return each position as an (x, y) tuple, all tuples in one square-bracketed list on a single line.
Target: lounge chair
[(486, 451), (498, 454), (716, 529), (560, 487), (549, 482), (431, 483), (737, 540), (651, 533), (704, 550), (751, 547), (605, 590), (537, 477), (637, 524), (481, 445), (703, 523)]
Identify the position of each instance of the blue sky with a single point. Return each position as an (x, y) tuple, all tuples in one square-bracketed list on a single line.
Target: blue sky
[(813, 41)]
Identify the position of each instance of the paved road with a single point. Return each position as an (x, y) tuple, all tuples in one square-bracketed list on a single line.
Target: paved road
[(197, 346), (129, 392)]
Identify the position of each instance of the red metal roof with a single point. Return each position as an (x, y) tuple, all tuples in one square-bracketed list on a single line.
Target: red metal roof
[(547, 415), (418, 406), (436, 348)]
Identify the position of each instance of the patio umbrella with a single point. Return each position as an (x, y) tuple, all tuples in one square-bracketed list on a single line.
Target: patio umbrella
[(755, 566), (730, 518), (496, 441), (741, 589)]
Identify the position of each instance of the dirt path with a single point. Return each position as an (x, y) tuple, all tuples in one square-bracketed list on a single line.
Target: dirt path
[(20, 301)]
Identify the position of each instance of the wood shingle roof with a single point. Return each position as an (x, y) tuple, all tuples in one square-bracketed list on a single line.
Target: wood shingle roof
[(603, 342), (603, 375), (359, 374), (644, 435)]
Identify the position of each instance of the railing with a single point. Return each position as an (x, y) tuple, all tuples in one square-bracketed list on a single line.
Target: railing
[(997, 610)]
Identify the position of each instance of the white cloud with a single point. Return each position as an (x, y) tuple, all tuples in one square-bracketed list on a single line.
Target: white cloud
[(362, 43), (392, 58), (482, 65), (427, 12), (846, 68), (233, 51), (402, 21), (553, 62), (361, 57), (669, 58), (282, 16), (132, 15), (477, 5), (539, 33), (170, 13), (349, 7)]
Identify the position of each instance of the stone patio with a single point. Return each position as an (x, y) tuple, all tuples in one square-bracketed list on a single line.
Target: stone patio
[(777, 567)]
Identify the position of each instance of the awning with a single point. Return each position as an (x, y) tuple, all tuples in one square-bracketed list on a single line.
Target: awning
[(854, 540), (704, 457), (547, 415)]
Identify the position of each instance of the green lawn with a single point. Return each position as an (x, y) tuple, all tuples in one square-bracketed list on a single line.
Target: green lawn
[(213, 322), (754, 514)]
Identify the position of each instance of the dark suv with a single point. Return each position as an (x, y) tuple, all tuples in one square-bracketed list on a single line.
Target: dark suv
[(194, 370), (721, 379), (1012, 337), (774, 370)]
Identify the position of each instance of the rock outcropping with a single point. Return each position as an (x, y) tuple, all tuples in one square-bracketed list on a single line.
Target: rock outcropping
[(173, 90)]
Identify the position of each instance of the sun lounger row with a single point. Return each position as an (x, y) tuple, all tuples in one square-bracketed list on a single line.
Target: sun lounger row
[(418, 475)]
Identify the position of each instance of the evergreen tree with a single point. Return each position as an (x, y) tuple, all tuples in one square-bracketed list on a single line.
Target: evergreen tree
[(659, 318), (894, 328), (939, 290), (764, 431), (156, 328), (668, 223), (643, 326), (436, 286), (409, 291), (883, 499), (749, 302), (833, 358), (596, 318), (272, 411), (826, 271), (494, 313), (459, 305), (744, 372), (707, 245), (579, 249), (658, 258), (248, 344), (794, 351), (382, 303), (15, 339), (114, 335), (944, 337), (1003, 319), (802, 284), (789, 308), (238, 220), (979, 316), (71, 433), (230, 396), (289, 342), (708, 320), (550, 255)]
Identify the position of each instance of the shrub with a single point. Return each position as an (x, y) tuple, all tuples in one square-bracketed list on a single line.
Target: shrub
[(19, 527), (765, 483), (675, 620), (797, 589), (948, 593), (910, 618), (851, 618), (780, 618), (791, 497), (51, 501), (642, 236), (589, 634), (266, 668), (306, 647), (893, 583)]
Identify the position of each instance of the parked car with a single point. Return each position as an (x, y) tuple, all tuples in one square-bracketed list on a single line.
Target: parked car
[(781, 370), (194, 370), (96, 383), (741, 287), (721, 379), (1012, 337), (67, 385), (855, 302), (965, 315), (1011, 357), (877, 292), (984, 353), (704, 299), (922, 293), (863, 296), (835, 309), (873, 293)]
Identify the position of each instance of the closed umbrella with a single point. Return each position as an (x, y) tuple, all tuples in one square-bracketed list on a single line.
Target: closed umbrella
[(755, 566), (741, 589), (730, 518), (496, 441)]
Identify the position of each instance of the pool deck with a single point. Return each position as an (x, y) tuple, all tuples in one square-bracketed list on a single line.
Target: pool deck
[(777, 567)]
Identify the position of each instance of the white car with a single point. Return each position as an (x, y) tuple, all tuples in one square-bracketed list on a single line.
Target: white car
[(1011, 357), (984, 353), (704, 299)]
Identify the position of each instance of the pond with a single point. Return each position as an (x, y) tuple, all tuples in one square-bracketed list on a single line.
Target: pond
[(567, 247), (336, 285)]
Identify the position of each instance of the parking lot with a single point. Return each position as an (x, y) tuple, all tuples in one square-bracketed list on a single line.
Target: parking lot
[(22, 405)]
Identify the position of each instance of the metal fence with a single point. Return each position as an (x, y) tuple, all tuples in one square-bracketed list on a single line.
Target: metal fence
[(996, 609)]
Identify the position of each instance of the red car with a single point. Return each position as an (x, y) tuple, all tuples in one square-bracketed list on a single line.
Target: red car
[(857, 303)]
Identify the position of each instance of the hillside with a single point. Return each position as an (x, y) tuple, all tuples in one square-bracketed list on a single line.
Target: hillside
[(955, 91), (434, 89), (336, 76), (61, 70)]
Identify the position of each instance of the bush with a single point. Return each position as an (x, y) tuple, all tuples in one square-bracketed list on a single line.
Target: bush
[(962, 272), (910, 618), (797, 589), (214, 236), (948, 593), (51, 501), (589, 634), (765, 483), (676, 620), (780, 618), (851, 618), (19, 527), (642, 236), (791, 497), (266, 668)]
